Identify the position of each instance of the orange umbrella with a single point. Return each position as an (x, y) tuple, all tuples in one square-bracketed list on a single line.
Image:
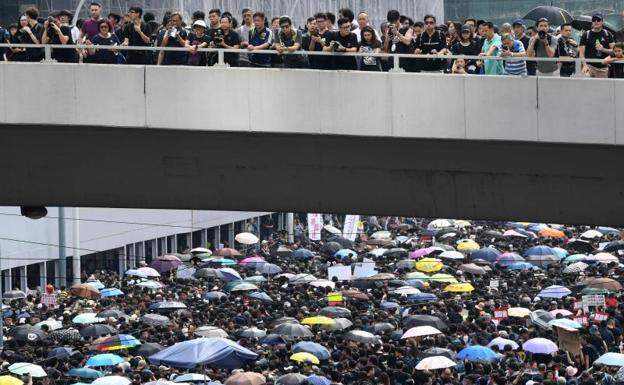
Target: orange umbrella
[(84, 290), (551, 233), (227, 252)]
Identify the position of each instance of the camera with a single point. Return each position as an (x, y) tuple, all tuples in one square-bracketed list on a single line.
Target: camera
[(541, 34), (335, 45), (218, 39), (174, 32), (50, 20)]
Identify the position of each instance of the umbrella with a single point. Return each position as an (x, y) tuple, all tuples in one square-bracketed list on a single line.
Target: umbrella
[(543, 260), (423, 297), (246, 238), (111, 292), (323, 283), (227, 252), (292, 330), (429, 265), (551, 233), (65, 335), (150, 285), (575, 267), (423, 320), (111, 380), (14, 294), (463, 287), (87, 318), (200, 250), (342, 241), (166, 263), (252, 260), (284, 320), (148, 348), (106, 359), (167, 305), (214, 295), (467, 245), (345, 253), (27, 333), (318, 380), (84, 290), (261, 296), (302, 253), (451, 254), (435, 351), (381, 327), (10, 380), (355, 295), (579, 245), (540, 345), (362, 337), (244, 286), (514, 233), (439, 224), (416, 275), (149, 272), (211, 332), (435, 362), (539, 251), (84, 373), (61, 353), (136, 273), (563, 312), (269, 268), (472, 269), (541, 318), (554, 291), (341, 324), (23, 368), (253, 332), (154, 320), (614, 246), (406, 290), (191, 377), (385, 235), (584, 23), (521, 266), (291, 379), (95, 283), (603, 283), (422, 252), (305, 357), (611, 359), (205, 273), (246, 378), (603, 258), (477, 353), (215, 352), (331, 248), (506, 259), (272, 339), (335, 312), (114, 313), (565, 323), (489, 254), (318, 320), (121, 341), (420, 331), (302, 278), (417, 283), (228, 274), (502, 342)]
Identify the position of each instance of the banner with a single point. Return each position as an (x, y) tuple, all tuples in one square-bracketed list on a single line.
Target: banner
[(349, 230), (315, 224), (569, 340), (582, 319), (48, 299), (494, 283), (500, 313), (593, 300), (342, 273), (600, 316), (578, 304)]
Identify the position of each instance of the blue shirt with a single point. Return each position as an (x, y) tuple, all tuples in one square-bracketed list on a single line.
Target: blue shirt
[(257, 38), (516, 67)]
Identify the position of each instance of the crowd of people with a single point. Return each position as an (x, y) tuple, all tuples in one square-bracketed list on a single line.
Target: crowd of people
[(441, 302), (323, 32)]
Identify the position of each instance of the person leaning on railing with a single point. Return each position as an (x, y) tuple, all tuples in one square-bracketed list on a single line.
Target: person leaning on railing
[(54, 32), (103, 38), (137, 34), (513, 48), (544, 45)]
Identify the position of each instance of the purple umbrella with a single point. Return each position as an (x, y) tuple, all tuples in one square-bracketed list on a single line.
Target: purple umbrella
[(166, 263), (540, 345)]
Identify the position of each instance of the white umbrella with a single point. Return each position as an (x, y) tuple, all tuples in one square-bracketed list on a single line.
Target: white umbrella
[(302, 278), (575, 267), (246, 238), (591, 234), (161, 381), (211, 332), (435, 362), (332, 229), (439, 224), (382, 235), (87, 318), (451, 254), (603, 258), (111, 380), (191, 377), (406, 290), (502, 342), (323, 283), (22, 368), (460, 224), (52, 324), (377, 252), (201, 250), (421, 331)]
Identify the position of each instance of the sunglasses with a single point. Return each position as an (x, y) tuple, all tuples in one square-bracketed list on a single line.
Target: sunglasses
[(284, 26), (596, 20)]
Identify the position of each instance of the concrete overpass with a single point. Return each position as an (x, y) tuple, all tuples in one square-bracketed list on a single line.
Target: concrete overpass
[(544, 149)]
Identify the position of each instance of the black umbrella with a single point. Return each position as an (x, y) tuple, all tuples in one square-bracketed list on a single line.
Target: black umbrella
[(97, 330), (148, 348), (291, 379), (614, 246), (362, 337), (335, 312), (381, 327), (344, 242), (155, 320), (555, 15), (65, 335), (584, 23), (436, 352), (580, 246), (284, 320), (14, 294), (330, 248), (292, 330), (112, 313), (396, 252), (205, 272), (424, 320), (27, 333)]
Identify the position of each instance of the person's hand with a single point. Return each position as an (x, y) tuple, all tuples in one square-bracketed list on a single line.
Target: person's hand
[(46, 24), (251, 47), (316, 39), (124, 44), (137, 27), (599, 47), (27, 29), (506, 53), (433, 52), (418, 51), (88, 42), (481, 53), (585, 69)]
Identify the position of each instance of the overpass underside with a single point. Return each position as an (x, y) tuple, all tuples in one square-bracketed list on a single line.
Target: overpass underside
[(155, 168)]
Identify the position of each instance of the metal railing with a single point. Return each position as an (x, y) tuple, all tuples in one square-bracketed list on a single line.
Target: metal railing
[(47, 48)]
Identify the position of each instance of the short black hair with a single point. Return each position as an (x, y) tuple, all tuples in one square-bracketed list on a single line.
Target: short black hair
[(115, 16), (310, 19), (393, 15), (215, 10), (331, 17), (566, 25), (229, 17), (430, 16), (541, 20), (470, 19), (343, 20), (149, 17), (96, 4), (285, 20), (488, 24), (260, 15), (136, 9), (419, 24), (347, 13), (321, 15), (199, 15)]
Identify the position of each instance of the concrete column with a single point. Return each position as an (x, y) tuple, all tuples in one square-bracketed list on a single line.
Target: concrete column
[(61, 273), (7, 281), (76, 268), (290, 226), (217, 238), (43, 275), (23, 282), (122, 264), (231, 234)]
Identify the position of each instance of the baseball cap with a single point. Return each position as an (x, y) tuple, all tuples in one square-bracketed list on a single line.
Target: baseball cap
[(597, 15), (517, 22), (465, 27)]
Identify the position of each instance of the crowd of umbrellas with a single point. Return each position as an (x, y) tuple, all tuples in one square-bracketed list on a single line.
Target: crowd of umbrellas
[(429, 313)]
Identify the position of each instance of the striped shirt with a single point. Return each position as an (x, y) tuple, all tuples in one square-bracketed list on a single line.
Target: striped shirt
[(516, 67)]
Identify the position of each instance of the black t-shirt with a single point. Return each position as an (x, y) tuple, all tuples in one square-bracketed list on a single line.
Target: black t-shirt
[(177, 57), (590, 351), (199, 58), (312, 59), (18, 38), (616, 71), (531, 65), (33, 54), (428, 43), (589, 39), (62, 55), (232, 38), (326, 62), (105, 56), (135, 40), (345, 62)]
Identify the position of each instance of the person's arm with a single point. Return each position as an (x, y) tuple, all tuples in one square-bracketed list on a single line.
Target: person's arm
[(608, 60), (550, 51), (144, 37), (407, 38), (530, 51), (62, 37), (44, 37)]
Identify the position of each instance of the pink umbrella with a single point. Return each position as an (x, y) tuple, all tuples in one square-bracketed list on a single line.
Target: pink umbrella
[(149, 271), (421, 252), (513, 233), (166, 263), (540, 345), (252, 260)]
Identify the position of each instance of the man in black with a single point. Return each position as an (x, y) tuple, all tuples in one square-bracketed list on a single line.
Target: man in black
[(173, 36), (308, 45), (398, 39), (596, 44), (32, 34), (56, 33), (227, 38), (567, 46), (519, 32), (319, 37), (136, 34), (432, 42), (343, 42)]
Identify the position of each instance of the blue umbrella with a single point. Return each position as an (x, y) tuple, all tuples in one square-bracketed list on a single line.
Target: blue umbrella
[(318, 380), (318, 350), (111, 292), (85, 373), (228, 274), (272, 339), (61, 353), (96, 283), (106, 359), (417, 283), (486, 253), (537, 227), (302, 253), (568, 323), (389, 305), (477, 353), (256, 279), (345, 253), (214, 295), (422, 297), (520, 266), (527, 233), (611, 359), (509, 258), (215, 352), (554, 291), (608, 230), (559, 252), (262, 296), (539, 250)]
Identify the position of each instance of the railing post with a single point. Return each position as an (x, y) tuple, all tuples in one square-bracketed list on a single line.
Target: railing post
[(578, 68), (396, 67), (47, 52), (221, 60)]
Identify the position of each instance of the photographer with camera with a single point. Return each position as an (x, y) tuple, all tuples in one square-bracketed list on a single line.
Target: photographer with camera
[(343, 42), (173, 36), (56, 33), (543, 44), (30, 33), (227, 38), (398, 39)]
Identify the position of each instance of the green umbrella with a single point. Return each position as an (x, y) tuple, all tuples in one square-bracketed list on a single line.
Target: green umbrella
[(592, 290)]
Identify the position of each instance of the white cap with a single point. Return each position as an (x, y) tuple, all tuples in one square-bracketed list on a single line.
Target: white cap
[(201, 23)]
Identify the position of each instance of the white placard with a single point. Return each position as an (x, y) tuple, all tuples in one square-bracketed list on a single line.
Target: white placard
[(342, 273), (364, 269), (315, 224), (349, 229), (494, 283)]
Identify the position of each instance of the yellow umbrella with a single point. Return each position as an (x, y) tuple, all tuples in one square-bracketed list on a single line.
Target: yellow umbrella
[(318, 320), (467, 244), (518, 312), (10, 380), (429, 265), (464, 287), (444, 278), (305, 357)]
